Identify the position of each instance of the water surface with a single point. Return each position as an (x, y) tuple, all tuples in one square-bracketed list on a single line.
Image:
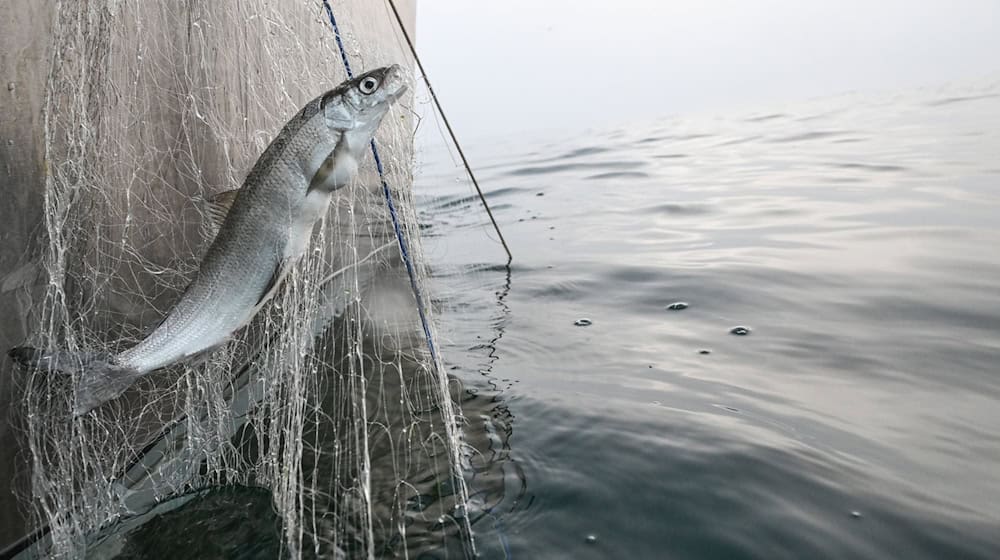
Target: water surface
[(856, 239)]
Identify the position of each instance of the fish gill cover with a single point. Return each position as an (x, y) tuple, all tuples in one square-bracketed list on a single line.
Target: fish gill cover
[(329, 399)]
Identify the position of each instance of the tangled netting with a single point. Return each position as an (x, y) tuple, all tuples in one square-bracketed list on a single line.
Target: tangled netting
[(329, 399)]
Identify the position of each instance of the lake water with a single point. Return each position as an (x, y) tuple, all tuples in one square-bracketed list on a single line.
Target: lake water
[(857, 239)]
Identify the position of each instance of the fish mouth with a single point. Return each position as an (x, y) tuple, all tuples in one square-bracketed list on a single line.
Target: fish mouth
[(394, 82)]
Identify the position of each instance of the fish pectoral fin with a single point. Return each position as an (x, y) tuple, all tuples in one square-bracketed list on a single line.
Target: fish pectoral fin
[(217, 206), (336, 170), (272, 284)]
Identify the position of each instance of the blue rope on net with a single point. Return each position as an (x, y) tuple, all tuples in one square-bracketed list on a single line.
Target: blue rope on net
[(405, 251), (403, 246)]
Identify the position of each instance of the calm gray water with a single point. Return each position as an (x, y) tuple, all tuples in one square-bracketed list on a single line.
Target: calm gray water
[(857, 238)]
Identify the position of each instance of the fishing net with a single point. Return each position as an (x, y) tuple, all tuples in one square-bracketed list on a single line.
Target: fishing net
[(330, 400)]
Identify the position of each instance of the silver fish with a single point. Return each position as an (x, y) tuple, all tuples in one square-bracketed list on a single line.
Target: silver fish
[(266, 227)]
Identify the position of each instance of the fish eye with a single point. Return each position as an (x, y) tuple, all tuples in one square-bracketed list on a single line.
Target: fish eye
[(368, 85)]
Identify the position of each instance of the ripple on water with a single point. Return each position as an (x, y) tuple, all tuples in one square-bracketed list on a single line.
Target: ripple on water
[(677, 209), (738, 141), (467, 200), (961, 99), (620, 175), (770, 117), (869, 167), (671, 156), (806, 136), (587, 151), (652, 139), (579, 166)]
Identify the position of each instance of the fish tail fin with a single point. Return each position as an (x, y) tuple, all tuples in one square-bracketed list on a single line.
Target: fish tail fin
[(102, 382), (100, 379)]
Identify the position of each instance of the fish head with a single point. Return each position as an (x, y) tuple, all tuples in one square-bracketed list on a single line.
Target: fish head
[(343, 124), (360, 103)]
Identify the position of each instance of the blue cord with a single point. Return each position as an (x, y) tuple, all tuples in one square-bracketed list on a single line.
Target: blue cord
[(403, 247), (340, 44)]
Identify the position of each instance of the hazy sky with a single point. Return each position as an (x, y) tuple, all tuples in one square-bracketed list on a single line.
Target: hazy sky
[(502, 66)]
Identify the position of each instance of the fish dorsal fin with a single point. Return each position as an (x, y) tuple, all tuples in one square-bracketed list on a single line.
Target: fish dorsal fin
[(218, 206)]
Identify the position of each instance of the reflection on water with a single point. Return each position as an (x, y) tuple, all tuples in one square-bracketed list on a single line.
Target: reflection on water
[(496, 480), (856, 241)]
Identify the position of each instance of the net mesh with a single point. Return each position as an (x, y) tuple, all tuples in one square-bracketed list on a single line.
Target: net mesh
[(329, 399)]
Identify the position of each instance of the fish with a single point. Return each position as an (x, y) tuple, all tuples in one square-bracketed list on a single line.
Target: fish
[(264, 228)]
